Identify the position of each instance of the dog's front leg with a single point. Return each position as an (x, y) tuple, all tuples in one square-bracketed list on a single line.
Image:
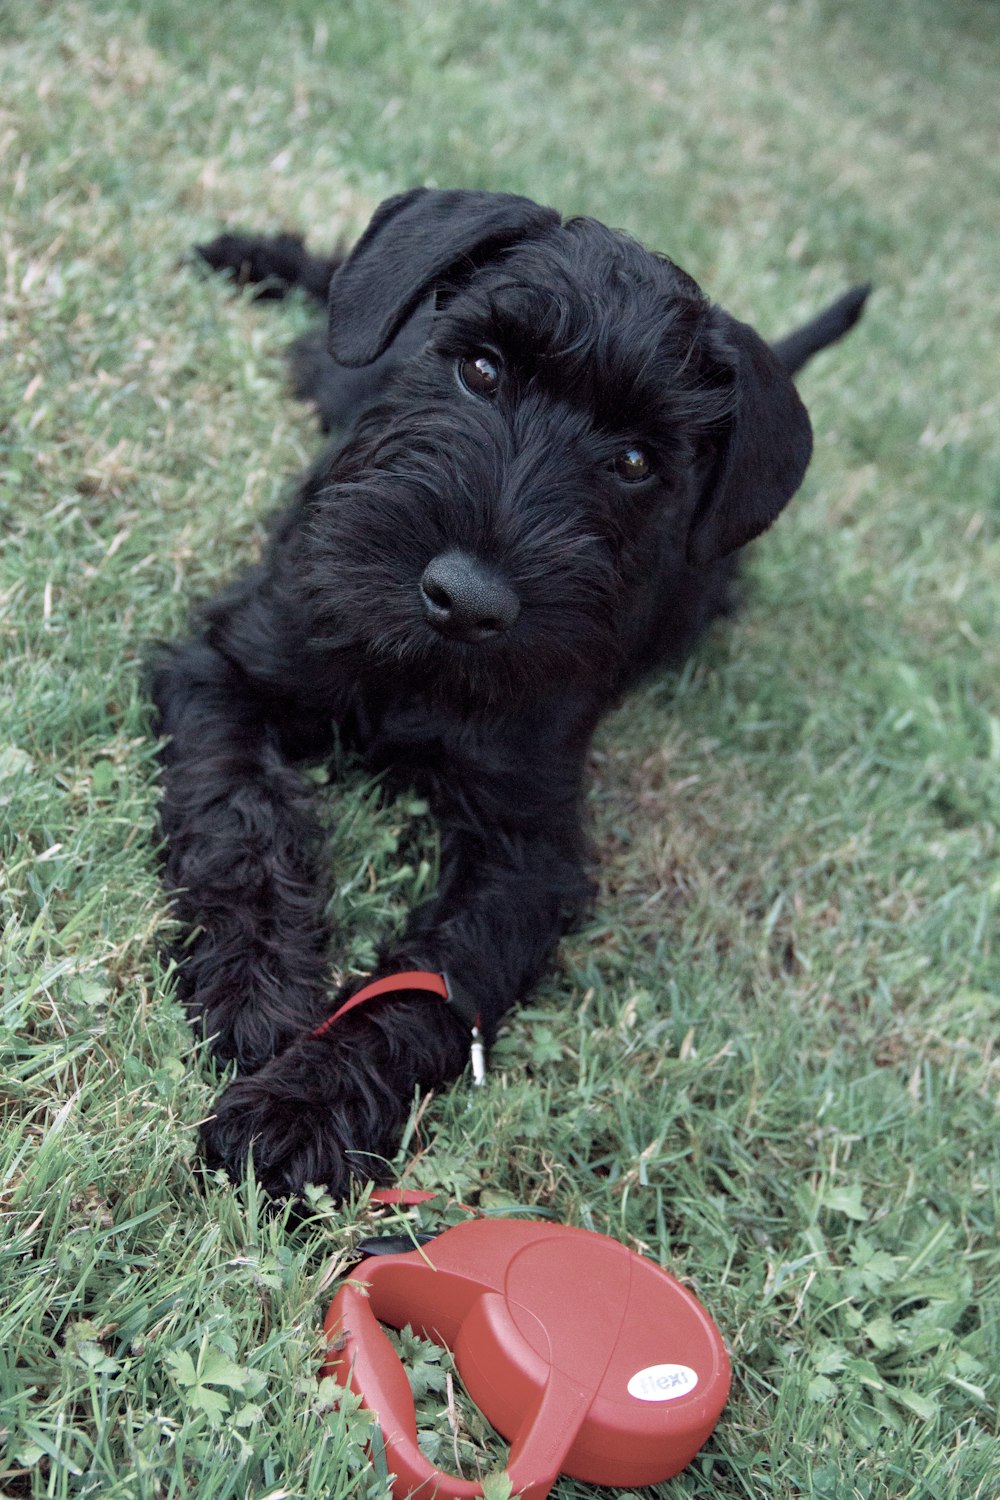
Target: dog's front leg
[(332, 1107), (239, 857)]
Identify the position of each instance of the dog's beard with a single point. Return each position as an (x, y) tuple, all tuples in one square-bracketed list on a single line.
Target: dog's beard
[(364, 555)]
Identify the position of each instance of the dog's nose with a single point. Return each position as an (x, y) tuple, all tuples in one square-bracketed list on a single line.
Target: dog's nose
[(465, 599)]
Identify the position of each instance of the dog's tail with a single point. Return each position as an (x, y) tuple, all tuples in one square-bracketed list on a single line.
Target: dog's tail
[(274, 264), (826, 328)]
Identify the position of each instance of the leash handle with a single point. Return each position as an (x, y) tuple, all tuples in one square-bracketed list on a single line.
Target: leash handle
[(360, 1356)]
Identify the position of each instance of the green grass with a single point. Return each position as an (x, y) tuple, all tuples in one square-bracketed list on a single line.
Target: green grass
[(771, 1060)]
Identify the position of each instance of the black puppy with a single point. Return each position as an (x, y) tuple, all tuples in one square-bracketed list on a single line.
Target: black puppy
[(556, 447)]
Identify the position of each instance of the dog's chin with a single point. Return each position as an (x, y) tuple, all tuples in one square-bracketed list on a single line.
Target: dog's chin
[(498, 674)]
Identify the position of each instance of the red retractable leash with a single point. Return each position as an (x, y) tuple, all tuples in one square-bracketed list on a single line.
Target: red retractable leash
[(591, 1360)]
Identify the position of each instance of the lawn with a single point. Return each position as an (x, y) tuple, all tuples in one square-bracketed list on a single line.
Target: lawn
[(770, 1061)]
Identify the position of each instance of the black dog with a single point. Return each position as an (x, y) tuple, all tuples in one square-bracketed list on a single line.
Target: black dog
[(556, 447)]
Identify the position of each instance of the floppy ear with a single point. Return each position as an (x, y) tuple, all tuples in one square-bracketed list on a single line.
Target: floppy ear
[(415, 241), (761, 451)]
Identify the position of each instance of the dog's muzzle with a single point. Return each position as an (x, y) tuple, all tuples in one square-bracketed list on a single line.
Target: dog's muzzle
[(465, 600)]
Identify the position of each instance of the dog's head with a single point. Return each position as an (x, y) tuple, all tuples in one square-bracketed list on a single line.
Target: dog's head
[(580, 433)]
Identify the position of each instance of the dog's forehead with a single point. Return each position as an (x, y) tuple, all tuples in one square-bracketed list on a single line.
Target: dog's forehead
[(589, 307), (587, 252), (595, 269)]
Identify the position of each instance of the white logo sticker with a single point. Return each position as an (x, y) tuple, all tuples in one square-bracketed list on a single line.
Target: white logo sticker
[(662, 1382)]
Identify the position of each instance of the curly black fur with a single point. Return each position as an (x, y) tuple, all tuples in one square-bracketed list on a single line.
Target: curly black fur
[(528, 493)]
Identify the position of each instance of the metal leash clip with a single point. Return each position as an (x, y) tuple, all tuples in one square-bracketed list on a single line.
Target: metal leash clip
[(477, 1057)]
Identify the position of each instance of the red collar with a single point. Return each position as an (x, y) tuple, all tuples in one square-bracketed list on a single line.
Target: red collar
[(412, 979)]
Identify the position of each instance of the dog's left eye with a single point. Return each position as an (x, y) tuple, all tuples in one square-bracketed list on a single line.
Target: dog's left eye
[(480, 374), (632, 465)]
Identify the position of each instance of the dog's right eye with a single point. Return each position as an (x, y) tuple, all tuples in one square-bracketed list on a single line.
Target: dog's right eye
[(632, 465), (479, 373)]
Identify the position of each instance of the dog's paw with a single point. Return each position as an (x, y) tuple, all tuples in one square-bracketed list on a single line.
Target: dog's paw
[(304, 1120), (271, 263)]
